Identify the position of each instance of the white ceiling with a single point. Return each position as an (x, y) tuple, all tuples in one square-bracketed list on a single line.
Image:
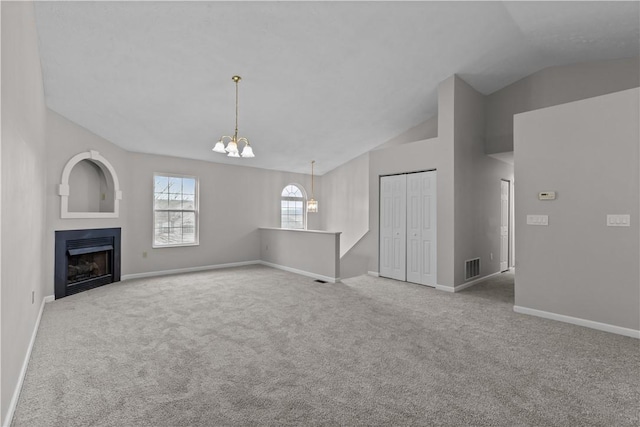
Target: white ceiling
[(321, 80)]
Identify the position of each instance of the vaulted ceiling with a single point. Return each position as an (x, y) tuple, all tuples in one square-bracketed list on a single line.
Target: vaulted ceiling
[(321, 80)]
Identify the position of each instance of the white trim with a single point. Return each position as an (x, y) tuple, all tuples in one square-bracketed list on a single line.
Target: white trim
[(580, 322), (300, 230), (107, 169), (228, 265), (301, 272), (458, 288), (186, 270), (23, 372), (373, 273)]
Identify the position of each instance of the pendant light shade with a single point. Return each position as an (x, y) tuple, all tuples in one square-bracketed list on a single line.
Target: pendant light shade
[(247, 151), (312, 204), (219, 147), (231, 149)]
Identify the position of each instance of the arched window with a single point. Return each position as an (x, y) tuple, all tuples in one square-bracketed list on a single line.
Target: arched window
[(292, 211)]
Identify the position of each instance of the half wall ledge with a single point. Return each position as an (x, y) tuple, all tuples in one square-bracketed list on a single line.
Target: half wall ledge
[(109, 174), (315, 252)]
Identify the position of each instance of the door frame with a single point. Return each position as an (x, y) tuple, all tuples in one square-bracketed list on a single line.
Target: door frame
[(509, 222)]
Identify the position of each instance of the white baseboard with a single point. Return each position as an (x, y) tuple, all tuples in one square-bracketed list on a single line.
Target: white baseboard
[(462, 286), (577, 321), (187, 270), (301, 272), (227, 265), (23, 371), (458, 288), (373, 273)]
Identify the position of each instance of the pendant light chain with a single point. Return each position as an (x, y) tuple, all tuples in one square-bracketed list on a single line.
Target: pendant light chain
[(236, 134), (312, 162), (232, 149), (312, 204)]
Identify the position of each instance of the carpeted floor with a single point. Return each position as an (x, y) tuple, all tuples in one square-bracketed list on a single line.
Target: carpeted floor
[(256, 346)]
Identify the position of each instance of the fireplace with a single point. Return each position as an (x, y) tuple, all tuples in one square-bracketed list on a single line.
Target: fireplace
[(86, 259)]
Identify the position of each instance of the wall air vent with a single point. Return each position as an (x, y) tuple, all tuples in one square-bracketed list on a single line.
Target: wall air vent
[(471, 268)]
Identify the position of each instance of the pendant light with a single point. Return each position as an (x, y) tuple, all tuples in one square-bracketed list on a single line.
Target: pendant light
[(232, 147), (312, 204)]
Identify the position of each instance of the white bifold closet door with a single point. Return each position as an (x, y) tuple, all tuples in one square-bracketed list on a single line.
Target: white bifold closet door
[(408, 227), (393, 226)]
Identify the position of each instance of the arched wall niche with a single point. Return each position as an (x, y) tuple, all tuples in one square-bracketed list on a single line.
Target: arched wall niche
[(105, 200)]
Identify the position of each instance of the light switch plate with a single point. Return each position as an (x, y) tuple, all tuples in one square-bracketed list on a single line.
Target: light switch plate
[(537, 219), (618, 220)]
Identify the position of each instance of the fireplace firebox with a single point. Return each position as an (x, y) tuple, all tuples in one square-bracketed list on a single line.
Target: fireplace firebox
[(86, 259)]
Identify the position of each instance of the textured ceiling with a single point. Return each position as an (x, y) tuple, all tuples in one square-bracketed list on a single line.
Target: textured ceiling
[(321, 80)]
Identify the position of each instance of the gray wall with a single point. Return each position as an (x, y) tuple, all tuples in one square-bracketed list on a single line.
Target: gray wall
[(88, 184), (553, 86), (434, 153), (234, 202), (468, 198), (23, 192), (587, 151), (425, 130), (65, 139), (477, 186), (344, 201), (311, 251)]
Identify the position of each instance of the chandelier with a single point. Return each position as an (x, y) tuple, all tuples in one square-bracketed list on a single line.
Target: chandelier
[(312, 204), (232, 147)]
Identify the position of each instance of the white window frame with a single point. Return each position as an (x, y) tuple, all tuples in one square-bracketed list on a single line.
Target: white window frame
[(196, 211), (304, 205)]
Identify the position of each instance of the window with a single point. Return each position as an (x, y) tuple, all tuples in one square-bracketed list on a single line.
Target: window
[(292, 211), (175, 210)]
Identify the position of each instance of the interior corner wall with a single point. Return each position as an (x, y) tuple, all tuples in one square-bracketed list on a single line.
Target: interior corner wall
[(344, 201), (23, 193), (234, 201), (430, 154), (553, 86), (477, 186), (65, 139), (588, 152)]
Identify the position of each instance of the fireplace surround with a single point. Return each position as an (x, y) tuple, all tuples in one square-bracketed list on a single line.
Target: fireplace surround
[(86, 259)]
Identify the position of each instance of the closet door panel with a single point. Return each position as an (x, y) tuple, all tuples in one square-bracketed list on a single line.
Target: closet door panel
[(414, 228), (392, 227), (428, 228)]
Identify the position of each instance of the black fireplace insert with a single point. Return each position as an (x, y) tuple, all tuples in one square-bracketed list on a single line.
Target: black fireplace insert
[(86, 259)]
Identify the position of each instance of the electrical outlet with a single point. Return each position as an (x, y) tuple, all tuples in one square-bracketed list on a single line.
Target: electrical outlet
[(144, 254), (33, 297)]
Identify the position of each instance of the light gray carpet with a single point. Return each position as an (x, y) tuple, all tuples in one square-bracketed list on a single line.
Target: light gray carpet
[(258, 346)]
